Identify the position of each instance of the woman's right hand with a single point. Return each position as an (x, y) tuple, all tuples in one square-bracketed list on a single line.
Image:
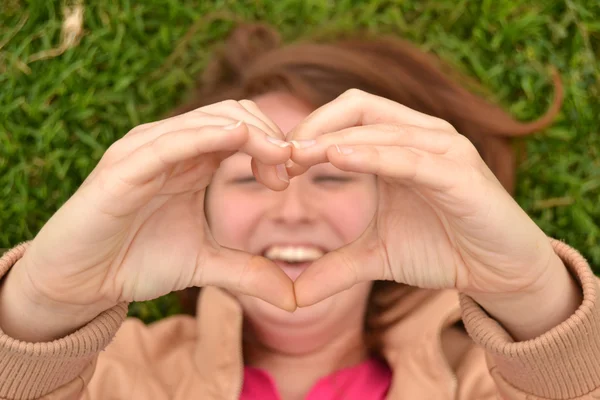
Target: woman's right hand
[(136, 229)]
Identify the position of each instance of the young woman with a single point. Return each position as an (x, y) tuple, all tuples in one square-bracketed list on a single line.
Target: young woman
[(347, 225)]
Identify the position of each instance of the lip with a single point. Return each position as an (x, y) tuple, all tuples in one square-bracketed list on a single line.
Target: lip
[(293, 271)]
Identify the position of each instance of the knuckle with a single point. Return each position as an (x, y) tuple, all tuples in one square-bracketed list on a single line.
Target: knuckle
[(444, 125), (466, 144), (354, 93), (353, 98), (111, 181), (115, 151), (246, 102), (231, 103), (220, 106)]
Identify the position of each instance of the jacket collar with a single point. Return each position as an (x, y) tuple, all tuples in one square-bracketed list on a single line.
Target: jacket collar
[(219, 359), (420, 317)]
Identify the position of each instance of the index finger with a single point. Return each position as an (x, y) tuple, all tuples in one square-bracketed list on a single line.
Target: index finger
[(358, 108)]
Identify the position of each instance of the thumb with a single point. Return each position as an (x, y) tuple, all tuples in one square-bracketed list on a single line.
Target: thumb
[(338, 270), (246, 273)]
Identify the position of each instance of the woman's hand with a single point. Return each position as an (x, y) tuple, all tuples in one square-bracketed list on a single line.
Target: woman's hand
[(443, 219), (136, 229)]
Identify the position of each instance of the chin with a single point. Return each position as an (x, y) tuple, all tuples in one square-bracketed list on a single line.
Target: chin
[(296, 333), (259, 310), (307, 328)]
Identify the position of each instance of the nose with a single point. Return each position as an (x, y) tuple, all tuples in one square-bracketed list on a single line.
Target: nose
[(293, 205)]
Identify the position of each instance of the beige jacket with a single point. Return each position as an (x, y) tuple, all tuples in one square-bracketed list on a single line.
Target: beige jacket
[(183, 357)]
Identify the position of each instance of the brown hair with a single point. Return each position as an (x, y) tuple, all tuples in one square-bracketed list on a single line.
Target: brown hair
[(254, 61)]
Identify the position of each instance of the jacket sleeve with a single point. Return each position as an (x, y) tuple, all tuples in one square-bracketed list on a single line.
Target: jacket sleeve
[(563, 363), (56, 370)]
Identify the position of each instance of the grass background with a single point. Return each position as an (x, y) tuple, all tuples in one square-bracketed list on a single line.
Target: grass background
[(137, 59)]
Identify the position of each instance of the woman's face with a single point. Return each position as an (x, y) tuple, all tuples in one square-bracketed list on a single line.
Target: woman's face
[(320, 211)]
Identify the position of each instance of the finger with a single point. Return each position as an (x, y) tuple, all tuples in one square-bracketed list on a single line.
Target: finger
[(155, 158), (230, 111), (430, 140), (223, 113), (341, 269), (193, 175), (272, 174), (145, 133), (249, 274), (245, 112), (412, 166), (252, 108), (294, 169), (189, 121), (274, 177), (256, 140), (357, 108)]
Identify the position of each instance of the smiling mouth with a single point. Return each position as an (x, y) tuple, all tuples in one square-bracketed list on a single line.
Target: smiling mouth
[(293, 259), (293, 254)]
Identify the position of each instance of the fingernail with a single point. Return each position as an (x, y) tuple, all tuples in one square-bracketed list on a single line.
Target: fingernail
[(282, 173), (231, 127), (289, 164), (302, 144), (344, 150), (278, 142)]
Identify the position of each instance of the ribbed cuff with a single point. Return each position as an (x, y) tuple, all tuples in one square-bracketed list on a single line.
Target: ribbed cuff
[(559, 364), (31, 370)]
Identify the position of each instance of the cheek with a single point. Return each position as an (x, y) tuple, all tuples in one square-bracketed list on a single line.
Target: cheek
[(351, 212), (233, 218)]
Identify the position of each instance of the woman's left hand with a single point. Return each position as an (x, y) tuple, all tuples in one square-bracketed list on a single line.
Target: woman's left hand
[(443, 219)]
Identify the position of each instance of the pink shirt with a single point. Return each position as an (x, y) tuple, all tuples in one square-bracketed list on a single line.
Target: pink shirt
[(368, 380)]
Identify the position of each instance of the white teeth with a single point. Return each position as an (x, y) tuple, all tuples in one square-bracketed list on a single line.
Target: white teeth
[(293, 253)]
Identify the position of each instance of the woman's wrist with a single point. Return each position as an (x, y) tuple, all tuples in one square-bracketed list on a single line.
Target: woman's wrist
[(29, 318), (528, 314)]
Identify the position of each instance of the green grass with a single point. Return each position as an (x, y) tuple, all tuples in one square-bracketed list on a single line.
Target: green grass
[(134, 62)]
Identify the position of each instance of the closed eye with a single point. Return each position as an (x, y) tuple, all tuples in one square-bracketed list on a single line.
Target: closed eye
[(331, 178), (244, 180), (316, 179)]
